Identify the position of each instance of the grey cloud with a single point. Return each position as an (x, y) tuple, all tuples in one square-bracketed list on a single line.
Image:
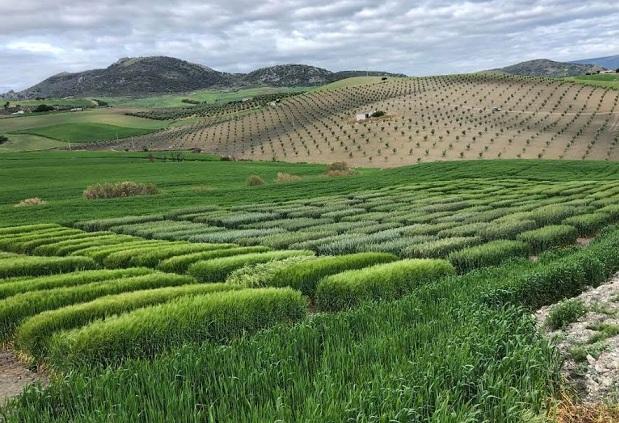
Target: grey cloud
[(39, 38)]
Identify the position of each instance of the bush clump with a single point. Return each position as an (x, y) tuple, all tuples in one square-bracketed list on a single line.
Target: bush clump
[(254, 181), (217, 317), (338, 169), (119, 189), (28, 202), (284, 177), (489, 254), (379, 282)]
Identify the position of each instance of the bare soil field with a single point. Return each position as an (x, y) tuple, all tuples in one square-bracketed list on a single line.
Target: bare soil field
[(426, 119)]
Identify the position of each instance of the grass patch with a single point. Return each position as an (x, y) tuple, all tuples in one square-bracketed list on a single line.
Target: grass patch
[(565, 313), (84, 132)]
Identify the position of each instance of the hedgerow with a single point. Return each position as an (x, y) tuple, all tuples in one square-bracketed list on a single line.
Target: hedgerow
[(216, 317), (379, 282)]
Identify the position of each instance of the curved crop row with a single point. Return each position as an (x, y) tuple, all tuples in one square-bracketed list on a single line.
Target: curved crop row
[(380, 282)]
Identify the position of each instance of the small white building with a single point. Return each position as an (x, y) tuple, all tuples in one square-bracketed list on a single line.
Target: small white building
[(19, 112), (77, 109), (360, 117)]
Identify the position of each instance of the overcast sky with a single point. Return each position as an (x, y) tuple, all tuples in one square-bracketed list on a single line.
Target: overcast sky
[(39, 38)]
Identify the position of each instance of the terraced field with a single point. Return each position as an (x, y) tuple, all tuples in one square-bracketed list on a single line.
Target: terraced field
[(426, 119)]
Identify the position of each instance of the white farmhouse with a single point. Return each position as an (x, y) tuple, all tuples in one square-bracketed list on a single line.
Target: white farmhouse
[(360, 117)]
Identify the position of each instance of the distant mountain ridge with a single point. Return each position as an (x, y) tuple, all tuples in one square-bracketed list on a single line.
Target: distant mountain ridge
[(161, 74), (608, 62), (545, 67)]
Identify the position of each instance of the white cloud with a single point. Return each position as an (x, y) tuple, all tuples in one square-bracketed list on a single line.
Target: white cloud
[(39, 38), (34, 47)]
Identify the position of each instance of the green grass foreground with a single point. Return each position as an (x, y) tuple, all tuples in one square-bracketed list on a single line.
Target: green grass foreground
[(84, 132), (460, 350), (61, 177)]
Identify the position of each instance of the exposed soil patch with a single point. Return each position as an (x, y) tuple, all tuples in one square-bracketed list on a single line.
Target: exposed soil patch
[(584, 241), (14, 377), (590, 344)]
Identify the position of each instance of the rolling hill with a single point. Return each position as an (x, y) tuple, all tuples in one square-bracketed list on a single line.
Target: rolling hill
[(157, 75), (455, 117), (608, 62), (545, 67)]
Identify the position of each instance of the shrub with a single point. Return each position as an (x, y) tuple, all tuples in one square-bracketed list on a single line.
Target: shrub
[(28, 202), (254, 180), (217, 317), (218, 269), (379, 282), (305, 276), (119, 189), (32, 335), (19, 285), (35, 265), (588, 224), (180, 264), (489, 254), (565, 313), (15, 309), (549, 236), (3, 139), (43, 108), (338, 169), (287, 177), (378, 113)]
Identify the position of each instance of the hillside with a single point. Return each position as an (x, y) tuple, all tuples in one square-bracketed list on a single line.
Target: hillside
[(158, 75), (608, 62), (427, 119), (545, 67)]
